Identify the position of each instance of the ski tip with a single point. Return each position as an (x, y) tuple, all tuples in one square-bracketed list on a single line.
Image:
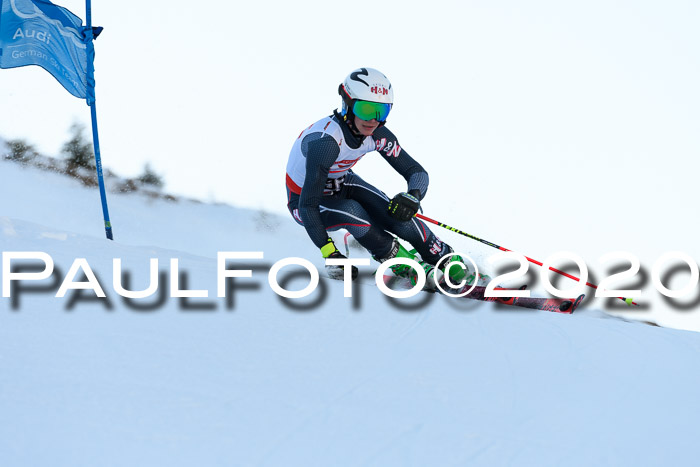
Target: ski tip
[(568, 306), (577, 302)]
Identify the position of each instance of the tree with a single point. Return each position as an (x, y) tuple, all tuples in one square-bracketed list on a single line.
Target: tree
[(78, 151), (20, 151), (149, 177)]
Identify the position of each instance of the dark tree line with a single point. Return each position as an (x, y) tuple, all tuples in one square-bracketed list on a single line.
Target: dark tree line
[(78, 154)]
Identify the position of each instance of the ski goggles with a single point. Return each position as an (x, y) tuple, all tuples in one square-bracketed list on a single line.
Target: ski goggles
[(366, 110)]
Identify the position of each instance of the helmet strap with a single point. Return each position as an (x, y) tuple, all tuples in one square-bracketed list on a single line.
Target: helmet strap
[(348, 114), (349, 118)]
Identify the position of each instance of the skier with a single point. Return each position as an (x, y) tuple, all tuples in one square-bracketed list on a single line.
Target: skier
[(325, 194)]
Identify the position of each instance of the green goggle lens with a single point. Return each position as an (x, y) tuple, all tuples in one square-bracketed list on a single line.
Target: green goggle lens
[(365, 110)]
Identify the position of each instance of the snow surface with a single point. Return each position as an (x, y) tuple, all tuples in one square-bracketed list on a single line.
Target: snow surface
[(348, 382)]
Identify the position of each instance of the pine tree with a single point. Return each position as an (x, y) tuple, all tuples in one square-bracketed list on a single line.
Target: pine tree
[(20, 151), (78, 151), (149, 177)]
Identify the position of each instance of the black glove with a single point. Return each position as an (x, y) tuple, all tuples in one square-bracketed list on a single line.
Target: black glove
[(404, 206)]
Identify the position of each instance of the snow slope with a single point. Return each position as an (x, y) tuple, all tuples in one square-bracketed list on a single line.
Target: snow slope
[(346, 382)]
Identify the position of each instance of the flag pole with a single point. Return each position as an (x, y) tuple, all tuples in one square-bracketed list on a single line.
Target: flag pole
[(93, 113)]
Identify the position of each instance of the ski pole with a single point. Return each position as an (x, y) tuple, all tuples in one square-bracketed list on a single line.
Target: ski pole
[(629, 301)]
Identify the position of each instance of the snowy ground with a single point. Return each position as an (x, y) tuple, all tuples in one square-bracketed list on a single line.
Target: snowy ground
[(355, 381)]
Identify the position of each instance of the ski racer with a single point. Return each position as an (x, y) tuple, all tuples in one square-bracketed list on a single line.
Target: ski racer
[(324, 193)]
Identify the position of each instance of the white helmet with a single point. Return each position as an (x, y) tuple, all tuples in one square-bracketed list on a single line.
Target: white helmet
[(367, 85)]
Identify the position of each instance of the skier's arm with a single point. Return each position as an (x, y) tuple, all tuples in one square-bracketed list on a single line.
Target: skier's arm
[(321, 154), (416, 176)]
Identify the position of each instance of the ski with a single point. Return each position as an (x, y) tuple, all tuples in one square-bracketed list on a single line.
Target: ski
[(557, 305)]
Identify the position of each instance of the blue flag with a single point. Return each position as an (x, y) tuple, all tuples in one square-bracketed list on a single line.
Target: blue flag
[(37, 32)]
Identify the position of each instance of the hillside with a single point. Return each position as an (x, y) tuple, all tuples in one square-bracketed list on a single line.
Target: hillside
[(253, 380)]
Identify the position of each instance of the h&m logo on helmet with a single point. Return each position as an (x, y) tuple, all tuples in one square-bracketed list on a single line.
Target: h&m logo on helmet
[(381, 90)]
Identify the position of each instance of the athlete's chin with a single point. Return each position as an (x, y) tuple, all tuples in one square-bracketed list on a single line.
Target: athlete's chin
[(367, 130)]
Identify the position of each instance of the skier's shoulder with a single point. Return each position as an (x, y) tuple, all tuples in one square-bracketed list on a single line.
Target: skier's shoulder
[(320, 142), (325, 127)]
